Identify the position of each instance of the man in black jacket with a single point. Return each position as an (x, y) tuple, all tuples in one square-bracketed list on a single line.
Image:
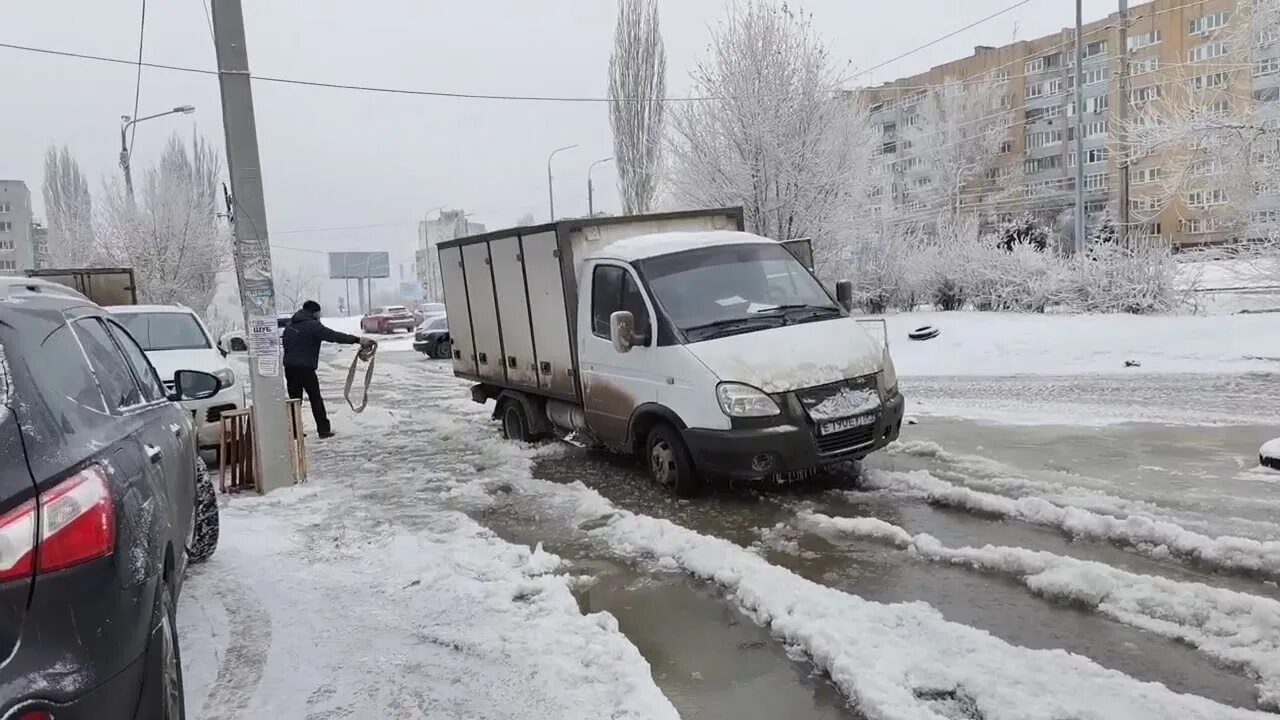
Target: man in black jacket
[(301, 340)]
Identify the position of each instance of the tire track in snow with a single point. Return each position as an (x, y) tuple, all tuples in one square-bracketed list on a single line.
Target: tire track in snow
[(245, 659), (1159, 539), (1237, 629)]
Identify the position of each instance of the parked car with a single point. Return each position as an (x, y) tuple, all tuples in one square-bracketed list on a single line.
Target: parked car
[(387, 319), (425, 310), (432, 338), (103, 505), (174, 337)]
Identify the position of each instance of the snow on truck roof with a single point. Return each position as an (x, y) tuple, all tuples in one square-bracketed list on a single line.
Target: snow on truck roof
[(665, 243)]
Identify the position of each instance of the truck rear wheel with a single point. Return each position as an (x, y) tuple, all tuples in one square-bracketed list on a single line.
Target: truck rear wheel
[(515, 426), (670, 464)]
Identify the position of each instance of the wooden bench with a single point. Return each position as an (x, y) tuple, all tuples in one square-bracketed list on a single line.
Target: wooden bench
[(238, 463)]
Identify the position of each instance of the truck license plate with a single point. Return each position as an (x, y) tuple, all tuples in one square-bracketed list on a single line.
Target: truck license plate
[(848, 423)]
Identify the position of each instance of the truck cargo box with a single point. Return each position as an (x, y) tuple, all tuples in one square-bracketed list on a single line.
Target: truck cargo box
[(104, 286)]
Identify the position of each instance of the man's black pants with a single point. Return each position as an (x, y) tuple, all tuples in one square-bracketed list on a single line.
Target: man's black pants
[(299, 379)]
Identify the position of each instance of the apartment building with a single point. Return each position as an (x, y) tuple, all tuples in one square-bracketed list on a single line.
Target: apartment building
[(16, 251), (1178, 54)]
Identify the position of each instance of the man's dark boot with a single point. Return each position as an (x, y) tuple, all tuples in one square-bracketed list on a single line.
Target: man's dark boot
[(325, 434)]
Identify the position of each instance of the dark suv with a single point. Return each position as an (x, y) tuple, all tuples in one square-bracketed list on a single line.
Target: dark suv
[(103, 503)]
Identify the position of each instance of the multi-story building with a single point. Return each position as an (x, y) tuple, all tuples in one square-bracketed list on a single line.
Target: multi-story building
[(1177, 55), (16, 251), (449, 225)]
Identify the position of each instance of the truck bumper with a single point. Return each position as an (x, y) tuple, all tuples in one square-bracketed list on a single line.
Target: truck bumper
[(758, 453)]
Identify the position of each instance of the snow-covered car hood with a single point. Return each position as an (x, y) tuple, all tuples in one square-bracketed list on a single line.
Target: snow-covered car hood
[(168, 362), (793, 357)]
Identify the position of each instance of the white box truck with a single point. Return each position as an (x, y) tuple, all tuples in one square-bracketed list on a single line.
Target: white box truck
[(704, 350)]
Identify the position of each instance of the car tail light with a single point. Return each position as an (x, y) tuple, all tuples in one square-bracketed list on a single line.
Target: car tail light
[(36, 715), (77, 524)]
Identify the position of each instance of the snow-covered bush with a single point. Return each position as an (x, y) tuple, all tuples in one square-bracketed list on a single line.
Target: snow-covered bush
[(1023, 229), (947, 262), (1023, 279), (884, 270), (1134, 277)]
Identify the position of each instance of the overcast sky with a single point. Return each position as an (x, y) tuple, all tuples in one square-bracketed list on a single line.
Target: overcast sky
[(334, 158)]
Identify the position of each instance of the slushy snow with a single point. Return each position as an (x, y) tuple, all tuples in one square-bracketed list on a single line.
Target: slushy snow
[(1153, 537), (1237, 629)]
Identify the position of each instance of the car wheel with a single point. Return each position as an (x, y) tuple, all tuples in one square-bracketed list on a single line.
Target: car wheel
[(442, 350), (515, 426), (669, 462), (169, 668), (204, 537)]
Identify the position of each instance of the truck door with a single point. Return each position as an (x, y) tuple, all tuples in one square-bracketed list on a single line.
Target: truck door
[(614, 384)]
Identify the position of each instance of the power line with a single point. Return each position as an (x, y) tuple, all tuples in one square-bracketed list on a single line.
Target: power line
[(204, 5), (137, 89), (935, 41)]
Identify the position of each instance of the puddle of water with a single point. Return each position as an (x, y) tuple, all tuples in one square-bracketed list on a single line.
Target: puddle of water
[(710, 660)]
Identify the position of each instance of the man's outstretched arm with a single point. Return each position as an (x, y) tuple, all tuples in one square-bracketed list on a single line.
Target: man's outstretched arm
[(328, 334)]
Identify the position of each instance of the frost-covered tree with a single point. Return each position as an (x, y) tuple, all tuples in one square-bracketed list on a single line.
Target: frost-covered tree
[(294, 287), (69, 210), (955, 131), (171, 237), (637, 84), (1103, 229), (1023, 229), (779, 138)]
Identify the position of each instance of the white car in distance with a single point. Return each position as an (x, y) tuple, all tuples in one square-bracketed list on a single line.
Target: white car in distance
[(174, 338)]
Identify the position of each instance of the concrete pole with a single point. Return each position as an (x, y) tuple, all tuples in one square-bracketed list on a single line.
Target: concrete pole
[(1079, 99), (124, 162), (591, 206), (551, 193), (253, 251), (1122, 117)]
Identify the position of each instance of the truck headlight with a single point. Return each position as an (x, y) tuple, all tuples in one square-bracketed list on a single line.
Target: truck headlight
[(738, 400), (888, 377), (226, 376)]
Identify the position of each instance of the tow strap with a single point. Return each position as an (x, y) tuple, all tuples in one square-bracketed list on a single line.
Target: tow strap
[(367, 354)]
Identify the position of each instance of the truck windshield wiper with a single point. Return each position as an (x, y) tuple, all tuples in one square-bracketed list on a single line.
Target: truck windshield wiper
[(811, 312), (733, 326)]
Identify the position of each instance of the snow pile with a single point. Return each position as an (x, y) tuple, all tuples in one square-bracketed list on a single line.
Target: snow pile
[(845, 402), (1157, 538), (1003, 344), (1235, 628), (442, 620), (897, 661)]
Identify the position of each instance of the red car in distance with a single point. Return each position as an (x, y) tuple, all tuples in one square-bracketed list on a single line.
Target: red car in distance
[(387, 319)]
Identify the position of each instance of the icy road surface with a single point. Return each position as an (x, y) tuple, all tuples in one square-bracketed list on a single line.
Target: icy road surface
[(1047, 568)]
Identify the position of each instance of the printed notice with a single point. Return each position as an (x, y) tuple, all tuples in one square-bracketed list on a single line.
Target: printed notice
[(262, 337)]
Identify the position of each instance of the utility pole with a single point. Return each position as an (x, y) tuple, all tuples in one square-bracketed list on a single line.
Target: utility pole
[(1122, 117), (252, 249), (591, 190), (1079, 243), (551, 193)]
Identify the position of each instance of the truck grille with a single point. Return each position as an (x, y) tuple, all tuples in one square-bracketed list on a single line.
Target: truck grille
[(851, 439)]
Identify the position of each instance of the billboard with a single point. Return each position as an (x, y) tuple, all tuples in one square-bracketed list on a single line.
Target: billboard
[(352, 265)]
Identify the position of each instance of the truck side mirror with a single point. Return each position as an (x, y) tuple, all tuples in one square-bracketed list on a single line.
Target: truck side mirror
[(622, 331), (844, 295)]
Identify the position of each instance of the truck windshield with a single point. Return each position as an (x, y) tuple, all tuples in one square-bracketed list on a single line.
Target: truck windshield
[(164, 331), (733, 289)]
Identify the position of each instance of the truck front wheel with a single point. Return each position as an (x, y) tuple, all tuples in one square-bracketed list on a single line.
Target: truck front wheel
[(669, 462)]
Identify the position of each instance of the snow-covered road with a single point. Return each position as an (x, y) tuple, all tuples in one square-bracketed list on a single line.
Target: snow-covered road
[(977, 571)]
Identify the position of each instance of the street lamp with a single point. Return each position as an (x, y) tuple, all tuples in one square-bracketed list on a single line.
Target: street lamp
[(551, 193), (126, 123), (591, 207)]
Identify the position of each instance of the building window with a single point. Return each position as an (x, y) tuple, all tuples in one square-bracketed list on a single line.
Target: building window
[(1266, 94), (1207, 51), (1034, 90), (1267, 66), (1145, 204), (8, 264), (1000, 77), (1142, 176), (5, 226), (1137, 42), (1006, 147), (1210, 81), (1095, 182), (1265, 216), (1268, 36), (5, 208), (1095, 76), (1091, 130), (1209, 23), (912, 163), (1193, 226), (1044, 113), (921, 182), (888, 148), (889, 127), (1052, 162), (1092, 156), (1144, 66), (1043, 138), (1218, 108), (1054, 86), (1091, 105), (1206, 166), (6, 243), (1141, 95), (1035, 66), (1207, 198), (911, 120), (1097, 207)]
